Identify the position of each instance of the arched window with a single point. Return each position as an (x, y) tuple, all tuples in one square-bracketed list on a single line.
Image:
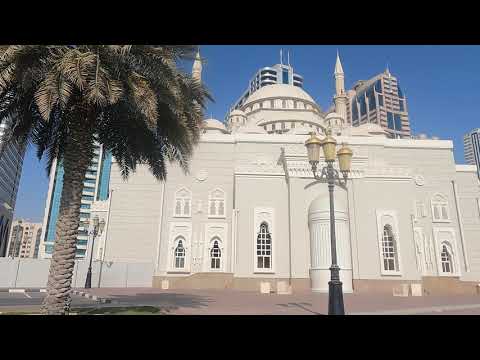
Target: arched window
[(216, 203), (215, 256), (284, 104), (446, 258), (183, 201), (179, 255), (389, 249), (294, 104), (440, 211), (264, 248), (272, 104)]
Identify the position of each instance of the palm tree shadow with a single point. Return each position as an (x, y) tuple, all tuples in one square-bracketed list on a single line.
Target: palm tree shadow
[(162, 303)]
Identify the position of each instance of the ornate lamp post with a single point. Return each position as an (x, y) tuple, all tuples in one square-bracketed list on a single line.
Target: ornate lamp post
[(313, 145), (97, 229)]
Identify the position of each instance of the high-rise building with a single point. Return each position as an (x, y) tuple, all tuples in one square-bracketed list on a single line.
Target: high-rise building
[(276, 74), (381, 101), (11, 162), (25, 239), (95, 187), (471, 143)]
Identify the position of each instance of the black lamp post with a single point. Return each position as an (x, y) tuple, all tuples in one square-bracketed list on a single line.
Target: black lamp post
[(97, 228), (335, 292)]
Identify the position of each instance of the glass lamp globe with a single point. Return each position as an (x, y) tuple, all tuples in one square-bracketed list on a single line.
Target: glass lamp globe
[(345, 158), (329, 145), (313, 145)]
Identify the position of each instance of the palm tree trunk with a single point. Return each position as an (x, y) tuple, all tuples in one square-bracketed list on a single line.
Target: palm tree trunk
[(76, 159)]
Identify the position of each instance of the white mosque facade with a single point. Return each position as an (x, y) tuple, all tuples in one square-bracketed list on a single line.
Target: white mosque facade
[(250, 214)]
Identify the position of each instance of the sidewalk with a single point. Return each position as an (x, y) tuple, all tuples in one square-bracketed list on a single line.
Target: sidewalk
[(232, 302)]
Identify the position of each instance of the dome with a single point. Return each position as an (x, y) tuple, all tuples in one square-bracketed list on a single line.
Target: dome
[(333, 115), (322, 203), (251, 128), (213, 124), (278, 91), (303, 130), (237, 112)]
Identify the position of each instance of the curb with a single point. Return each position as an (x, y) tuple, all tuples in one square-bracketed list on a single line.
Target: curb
[(22, 290), (93, 297)]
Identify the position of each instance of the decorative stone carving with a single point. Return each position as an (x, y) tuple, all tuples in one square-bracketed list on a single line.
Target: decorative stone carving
[(202, 175), (419, 180)]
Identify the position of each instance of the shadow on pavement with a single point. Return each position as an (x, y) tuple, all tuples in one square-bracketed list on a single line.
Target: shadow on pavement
[(302, 306), (165, 303)]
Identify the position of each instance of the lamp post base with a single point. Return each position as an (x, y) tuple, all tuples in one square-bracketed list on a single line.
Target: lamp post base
[(335, 298), (88, 281)]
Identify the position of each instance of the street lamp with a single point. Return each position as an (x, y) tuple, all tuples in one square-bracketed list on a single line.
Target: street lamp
[(97, 229), (328, 144)]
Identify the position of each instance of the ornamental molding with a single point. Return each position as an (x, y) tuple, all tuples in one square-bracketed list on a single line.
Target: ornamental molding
[(299, 167)]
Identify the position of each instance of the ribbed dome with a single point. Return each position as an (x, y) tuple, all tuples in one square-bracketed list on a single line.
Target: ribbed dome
[(279, 91), (237, 112), (214, 124)]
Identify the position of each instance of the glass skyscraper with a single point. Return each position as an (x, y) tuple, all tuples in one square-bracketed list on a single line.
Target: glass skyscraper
[(381, 101), (471, 143), (276, 74), (95, 187), (11, 163)]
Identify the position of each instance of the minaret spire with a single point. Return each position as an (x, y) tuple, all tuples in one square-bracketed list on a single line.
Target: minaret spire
[(338, 65), (340, 97), (197, 67)]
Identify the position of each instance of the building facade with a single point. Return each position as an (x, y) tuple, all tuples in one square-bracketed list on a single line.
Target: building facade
[(95, 187), (25, 239), (11, 162), (250, 212), (471, 143)]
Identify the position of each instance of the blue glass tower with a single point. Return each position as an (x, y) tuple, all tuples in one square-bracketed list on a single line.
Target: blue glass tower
[(95, 187)]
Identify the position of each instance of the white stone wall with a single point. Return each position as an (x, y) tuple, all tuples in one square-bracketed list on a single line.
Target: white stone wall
[(389, 177)]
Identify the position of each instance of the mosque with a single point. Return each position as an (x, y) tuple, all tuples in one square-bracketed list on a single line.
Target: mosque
[(250, 215)]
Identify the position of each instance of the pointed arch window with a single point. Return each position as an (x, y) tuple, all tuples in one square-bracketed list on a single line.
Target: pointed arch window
[(179, 254), (216, 204), (264, 247), (446, 259), (183, 202), (389, 249), (440, 211), (215, 256)]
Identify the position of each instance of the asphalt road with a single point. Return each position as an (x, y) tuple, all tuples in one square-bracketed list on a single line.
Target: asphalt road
[(36, 299)]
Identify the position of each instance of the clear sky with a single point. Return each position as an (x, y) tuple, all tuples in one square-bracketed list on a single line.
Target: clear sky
[(441, 83)]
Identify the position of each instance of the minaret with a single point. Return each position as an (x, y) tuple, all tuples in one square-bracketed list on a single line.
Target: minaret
[(340, 99), (197, 67)]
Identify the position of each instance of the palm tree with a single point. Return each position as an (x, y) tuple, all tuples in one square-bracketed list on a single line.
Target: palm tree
[(134, 100)]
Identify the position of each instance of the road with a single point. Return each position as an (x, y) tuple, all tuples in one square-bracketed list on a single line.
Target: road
[(33, 301)]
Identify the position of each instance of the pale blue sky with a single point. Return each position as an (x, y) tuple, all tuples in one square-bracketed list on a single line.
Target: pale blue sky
[(441, 84)]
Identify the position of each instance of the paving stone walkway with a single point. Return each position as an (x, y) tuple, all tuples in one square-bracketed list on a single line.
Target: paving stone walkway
[(233, 302)]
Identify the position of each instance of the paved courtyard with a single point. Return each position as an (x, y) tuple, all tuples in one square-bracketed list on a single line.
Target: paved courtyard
[(233, 302)]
